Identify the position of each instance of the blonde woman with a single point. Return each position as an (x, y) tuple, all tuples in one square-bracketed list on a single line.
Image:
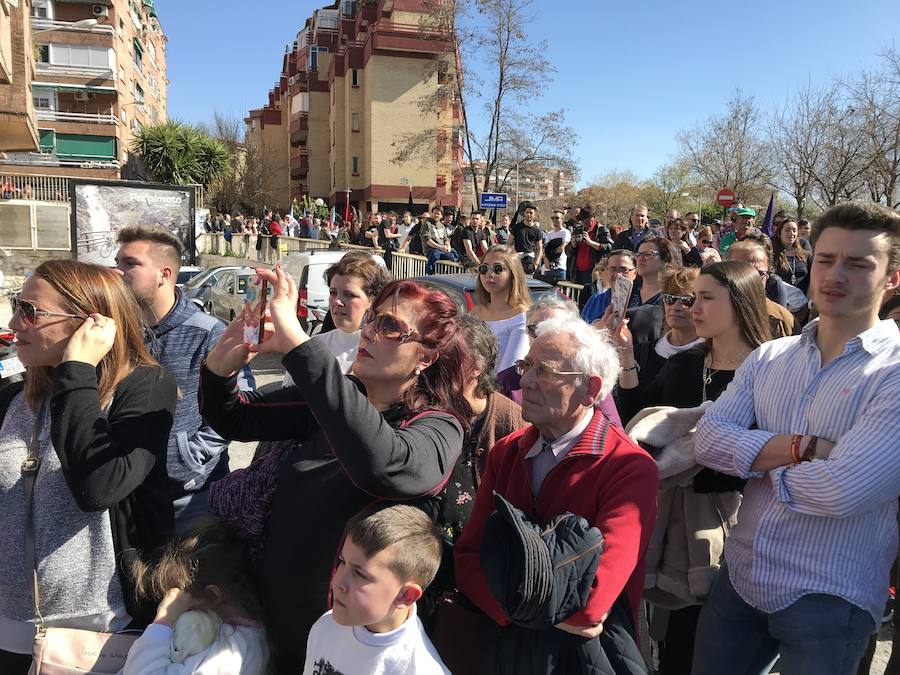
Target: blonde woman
[(95, 415), (502, 298)]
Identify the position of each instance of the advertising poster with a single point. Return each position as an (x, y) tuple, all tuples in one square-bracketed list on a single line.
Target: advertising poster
[(100, 209)]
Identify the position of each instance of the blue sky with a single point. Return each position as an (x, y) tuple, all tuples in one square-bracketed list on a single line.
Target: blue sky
[(630, 73)]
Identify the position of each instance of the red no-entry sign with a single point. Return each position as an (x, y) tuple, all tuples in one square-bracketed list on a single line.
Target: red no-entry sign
[(725, 197)]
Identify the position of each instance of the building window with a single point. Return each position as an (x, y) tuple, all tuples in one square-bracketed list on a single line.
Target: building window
[(151, 52), (44, 100), (354, 77), (313, 58), (138, 54), (348, 7), (138, 94), (42, 9), (42, 53), (121, 26), (85, 57), (154, 86), (354, 121), (355, 165)]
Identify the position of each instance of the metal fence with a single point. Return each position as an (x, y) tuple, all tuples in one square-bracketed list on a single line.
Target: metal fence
[(54, 188)]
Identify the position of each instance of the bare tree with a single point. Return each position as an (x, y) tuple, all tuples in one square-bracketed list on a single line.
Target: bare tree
[(729, 150), (797, 136), (877, 96), (664, 189), (612, 196), (496, 31)]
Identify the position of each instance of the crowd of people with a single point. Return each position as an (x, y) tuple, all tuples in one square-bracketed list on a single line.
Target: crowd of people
[(513, 489)]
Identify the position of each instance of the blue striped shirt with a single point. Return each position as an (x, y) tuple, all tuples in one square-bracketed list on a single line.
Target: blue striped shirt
[(826, 526)]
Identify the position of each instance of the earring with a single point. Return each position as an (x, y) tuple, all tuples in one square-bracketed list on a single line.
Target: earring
[(418, 371)]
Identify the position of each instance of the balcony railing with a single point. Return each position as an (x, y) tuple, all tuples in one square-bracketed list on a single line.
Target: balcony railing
[(53, 188), (47, 24), (74, 71), (89, 118), (47, 159)]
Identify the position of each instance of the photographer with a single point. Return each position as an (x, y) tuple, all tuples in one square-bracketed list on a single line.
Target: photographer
[(590, 242)]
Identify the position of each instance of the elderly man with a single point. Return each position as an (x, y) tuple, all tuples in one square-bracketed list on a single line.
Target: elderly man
[(781, 321), (743, 220), (571, 458)]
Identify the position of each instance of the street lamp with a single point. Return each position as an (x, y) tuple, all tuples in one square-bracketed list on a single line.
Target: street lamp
[(84, 23)]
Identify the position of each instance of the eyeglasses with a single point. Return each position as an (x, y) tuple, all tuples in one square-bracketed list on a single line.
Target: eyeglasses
[(29, 313), (620, 270), (544, 373), (532, 330), (686, 300), (706, 242), (496, 268), (388, 326), (647, 254)]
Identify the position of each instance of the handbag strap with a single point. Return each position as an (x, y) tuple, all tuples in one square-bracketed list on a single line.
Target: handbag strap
[(29, 474)]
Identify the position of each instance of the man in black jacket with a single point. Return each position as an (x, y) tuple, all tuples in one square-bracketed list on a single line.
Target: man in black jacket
[(590, 242), (528, 238), (640, 229)]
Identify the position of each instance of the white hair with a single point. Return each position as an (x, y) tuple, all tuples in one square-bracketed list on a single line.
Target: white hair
[(553, 300), (595, 353)]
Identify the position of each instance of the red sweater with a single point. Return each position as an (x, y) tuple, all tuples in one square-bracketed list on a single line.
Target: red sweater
[(609, 480)]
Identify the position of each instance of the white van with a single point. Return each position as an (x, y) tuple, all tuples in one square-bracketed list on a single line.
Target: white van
[(307, 268)]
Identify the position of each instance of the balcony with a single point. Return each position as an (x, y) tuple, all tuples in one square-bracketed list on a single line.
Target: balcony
[(88, 118), (91, 72), (38, 159), (38, 24), (299, 128)]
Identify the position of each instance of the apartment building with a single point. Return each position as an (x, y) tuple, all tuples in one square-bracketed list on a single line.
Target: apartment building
[(18, 127), (531, 182), (98, 73), (347, 96)]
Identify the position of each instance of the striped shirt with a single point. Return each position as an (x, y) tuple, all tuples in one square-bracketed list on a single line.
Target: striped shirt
[(827, 526)]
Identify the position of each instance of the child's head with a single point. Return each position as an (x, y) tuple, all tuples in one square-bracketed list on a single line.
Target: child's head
[(210, 564), (390, 555)]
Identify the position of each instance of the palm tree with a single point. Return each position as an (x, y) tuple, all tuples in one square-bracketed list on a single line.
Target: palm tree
[(179, 154)]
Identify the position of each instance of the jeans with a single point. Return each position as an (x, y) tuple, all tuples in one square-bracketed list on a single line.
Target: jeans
[(819, 634), (436, 254), (583, 276), (191, 511)]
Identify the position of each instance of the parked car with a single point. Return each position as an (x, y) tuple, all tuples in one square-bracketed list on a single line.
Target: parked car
[(186, 273), (199, 287), (11, 369), (308, 271), (226, 299), (461, 287)]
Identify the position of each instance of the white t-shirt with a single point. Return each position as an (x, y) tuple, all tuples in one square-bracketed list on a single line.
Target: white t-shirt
[(343, 345), (352, 650), (566, 236), (512, 340)]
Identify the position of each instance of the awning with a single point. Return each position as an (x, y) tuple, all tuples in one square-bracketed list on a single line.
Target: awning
[(105, 3), (138, 46), (48, 139), (60, 86), (80, 145)]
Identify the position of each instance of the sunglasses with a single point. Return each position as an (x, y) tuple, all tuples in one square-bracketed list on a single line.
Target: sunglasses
[(496, 268), (28, 313), (706, 242), (389, 327), (686, 300), (544, 373)]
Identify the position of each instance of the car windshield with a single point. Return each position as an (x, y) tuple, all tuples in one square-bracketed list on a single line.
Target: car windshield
[(191, 278)]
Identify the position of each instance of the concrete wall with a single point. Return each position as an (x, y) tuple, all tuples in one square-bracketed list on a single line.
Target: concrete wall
[(14, 264)]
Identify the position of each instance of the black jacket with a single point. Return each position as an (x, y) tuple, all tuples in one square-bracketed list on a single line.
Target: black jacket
[(601, 235), (541, 575), (348, 455), (116, 460)]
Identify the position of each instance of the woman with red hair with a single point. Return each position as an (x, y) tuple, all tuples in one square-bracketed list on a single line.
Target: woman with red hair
[(392, 431)]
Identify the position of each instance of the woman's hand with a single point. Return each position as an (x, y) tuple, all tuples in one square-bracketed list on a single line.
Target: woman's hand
[(92, 341), (175, 603), (282, 332), (230, 353), (617, 329), (587, 632)]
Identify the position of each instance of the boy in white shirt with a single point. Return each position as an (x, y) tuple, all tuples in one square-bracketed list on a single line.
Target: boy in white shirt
[(390, 555)]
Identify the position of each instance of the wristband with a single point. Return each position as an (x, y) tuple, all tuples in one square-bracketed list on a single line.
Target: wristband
[(634, 367), (795, 448)]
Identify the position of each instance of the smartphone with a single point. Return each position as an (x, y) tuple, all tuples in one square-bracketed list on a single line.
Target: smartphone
[(621, 293), (264, 296)]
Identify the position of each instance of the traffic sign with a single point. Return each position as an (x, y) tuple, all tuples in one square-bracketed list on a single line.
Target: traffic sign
[(726, 197), (493, 200)]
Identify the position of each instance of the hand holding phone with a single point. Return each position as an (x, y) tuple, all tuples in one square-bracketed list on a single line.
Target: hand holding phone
[(621, 293), (264, 293)]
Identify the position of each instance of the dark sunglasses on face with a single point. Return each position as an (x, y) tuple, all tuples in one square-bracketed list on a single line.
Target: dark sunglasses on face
[(706, 242), (389, 327), (28, 313), (496, 268), (686, 300)]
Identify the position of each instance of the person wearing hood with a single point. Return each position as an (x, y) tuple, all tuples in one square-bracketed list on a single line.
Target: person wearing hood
[(179, 337)]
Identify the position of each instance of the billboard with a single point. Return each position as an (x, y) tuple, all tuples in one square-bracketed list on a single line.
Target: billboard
[(101, 208)]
